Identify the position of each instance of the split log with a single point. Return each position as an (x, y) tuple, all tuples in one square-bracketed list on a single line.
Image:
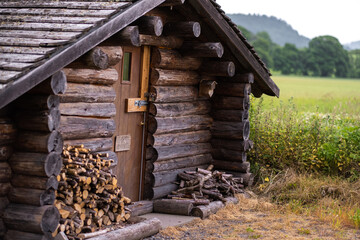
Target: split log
[(167, 177), (231, 130), (230, 115), (157, 140), (31, 218), (36, 164), (170, 3), (243, 167), (47, 121), (182, 150), (228, 154), (168, 94), (217, 68), (182, 29), (91, 76), (88, 93), (5, 172), (81, 127), (150, 25), (173, 206), (5, 152), (137, 231), (242, 78), (177, 163), (202, 50), (56, 84), (206, 88), (18, 235), (102, 57), (162, 77), (88, 110), (231, 103), (4, 189), (171, 59), (4, 202), (239, 145), (26, 181), (163, 41), (179, 109), (140, 208), (95, 144), (129, 36), (7, 133), (247, 179), (205, 211), (36, 197), (37, 102), (39, 142), (233, 89), (178, 124)]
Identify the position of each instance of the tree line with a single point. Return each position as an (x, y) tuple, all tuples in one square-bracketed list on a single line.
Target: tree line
[(324, 56)]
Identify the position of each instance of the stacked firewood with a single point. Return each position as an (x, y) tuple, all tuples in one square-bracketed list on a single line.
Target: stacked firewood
[(88, 197)]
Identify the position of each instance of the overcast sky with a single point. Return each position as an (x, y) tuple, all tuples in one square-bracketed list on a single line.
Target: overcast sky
[(311, 18)]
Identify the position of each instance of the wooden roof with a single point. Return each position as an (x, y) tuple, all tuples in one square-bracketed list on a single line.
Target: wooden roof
[(40, 37)]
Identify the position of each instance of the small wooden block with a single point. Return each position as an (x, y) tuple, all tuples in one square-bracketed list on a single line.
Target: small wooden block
[(122, 143)]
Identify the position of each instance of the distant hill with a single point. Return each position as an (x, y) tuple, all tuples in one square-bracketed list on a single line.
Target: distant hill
[(352, 45), (279, 31)]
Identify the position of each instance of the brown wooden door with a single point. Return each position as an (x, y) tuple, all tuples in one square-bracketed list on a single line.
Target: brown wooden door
[(129, 125)]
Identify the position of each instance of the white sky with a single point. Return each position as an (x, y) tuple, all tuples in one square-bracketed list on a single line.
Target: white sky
[(311, 18)]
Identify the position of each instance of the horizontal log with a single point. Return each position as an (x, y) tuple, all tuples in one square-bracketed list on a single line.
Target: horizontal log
[(8, 133), (39, 142), (88, 110), (95, 144), (177, 163), (182, 29), (18, 235), (179, 109), (231, 130), (26, 181), (5, 172), (5, 152), (162, 191), (238, 145), (243, 167), (150, 25), (37, 102), (46, 121), (129, 36), (247, 179), (237, 115), (4, 202), (32, 219), (140, 208), (81, 127), (36, 164), (4, 189), (162, 77), (233, 89), (241, 78), (205, 211), (217, 68), (173, 206), (183, 150), (178, 124), (162, 41), (202, 50), (36, 197), (231, 103), (166, 177), (91, 76), (228, 154), (171, 59), (169, 139), (89, 93), (167, 94), (102, 57), (56, 84)]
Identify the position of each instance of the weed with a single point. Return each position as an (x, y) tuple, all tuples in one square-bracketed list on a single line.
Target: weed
[(304, 231), (249, 229)]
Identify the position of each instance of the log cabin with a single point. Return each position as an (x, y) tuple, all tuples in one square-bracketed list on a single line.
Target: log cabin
[(162, 86)]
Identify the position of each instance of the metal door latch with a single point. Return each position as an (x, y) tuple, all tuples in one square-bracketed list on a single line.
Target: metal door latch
[(140, 103)]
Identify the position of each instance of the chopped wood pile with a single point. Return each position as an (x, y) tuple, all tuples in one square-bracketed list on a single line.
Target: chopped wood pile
[(88, 197)]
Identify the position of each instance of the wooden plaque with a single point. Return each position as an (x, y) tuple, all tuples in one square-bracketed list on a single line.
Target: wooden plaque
[(122, 143)]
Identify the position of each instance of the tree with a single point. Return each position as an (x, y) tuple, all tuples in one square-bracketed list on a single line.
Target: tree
[(288, 59)]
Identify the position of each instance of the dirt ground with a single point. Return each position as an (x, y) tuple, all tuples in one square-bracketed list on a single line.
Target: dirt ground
[(257, 219)]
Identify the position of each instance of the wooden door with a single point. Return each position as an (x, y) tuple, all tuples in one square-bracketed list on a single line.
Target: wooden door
[(128, 139)]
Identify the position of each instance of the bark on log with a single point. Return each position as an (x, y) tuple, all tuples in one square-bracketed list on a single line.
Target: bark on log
[(102, 57), (177, 163), (182, 29), (243, 167), (183, 150), (88, 93), (26, 181), (178, 124), (202, 50), (162, 191), (242, 78), (36, 164), (137, 231), (173, 94), (231, 130), (18, 235), (228, 154), (230, 115), (4, 202), (5, 172), (239, 145), (5, 152), (162, 77), (150, 25), (173, 206), (171, 59), (205, 211), (37, 102), (95, 144), (36, 197), (7, 133), (46, 121), (129, 36), (140, 208), (56, 84), (167, 42), (39, 142), (247, 178), (179, 109), (81, 127), (157, 140), (167, 177), (231, 103), (217, 68), (4, 189), (31, 218), (91, 76), (233, 89), (88, 110)]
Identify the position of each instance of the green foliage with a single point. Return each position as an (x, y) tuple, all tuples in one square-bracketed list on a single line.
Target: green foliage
[(354, 57)]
